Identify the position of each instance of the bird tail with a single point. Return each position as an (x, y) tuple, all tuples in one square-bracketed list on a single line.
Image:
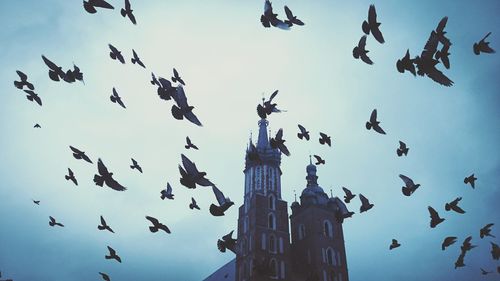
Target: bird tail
[(400, 67), (214, 210), (447, 207), (177, 112), (99, 180), (53, 76), (366, 27), (108, 257), (67, 177), (405, 152), (399, 152), (153, 229), (162, 197), (133, 60), (132, 167), (51, 223), (174, 79), (100, 227), (368, 125), (301, 136), (18, 84), (123, 12)]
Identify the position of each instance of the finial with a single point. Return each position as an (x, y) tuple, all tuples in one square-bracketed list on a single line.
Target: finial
[(263, 99), (295, 195), (331, 193), (310, 160)]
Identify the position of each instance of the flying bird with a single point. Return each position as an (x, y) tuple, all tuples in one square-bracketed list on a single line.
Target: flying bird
[(440, 33), (486, 231), (303, 133), (104, 276), (157, 225), (495, 251), (409, 187), (323, 138), (23, 82), (182, 109), (135, 165), (267, 107), (394, 244), (177, 78), (37, 202), (291, 19), (453, 205), (227, 242), (460, 261), (112, 255), (106, 177), (32, 96), (466, 245), (435, 219), (193, 204), (402, 149), (361, 52), (470, 179), (115, 54), (127, 12), (269, 18), (443, 55), (53, 222), (115, 98), (90, 5), (348, 195), (73, 75), (167, 193), (483, 46), (189, 144), (365, 204), (448, 241), (71, 176), (55, 72), (37, 126), (137, 60), (104, 226), (373, 123), (224, 203), (406, 64), (279, 143), (78, 154), (319, 160), (484, 272), (426, 64), (190, 176), (371, 25), (165, 89)]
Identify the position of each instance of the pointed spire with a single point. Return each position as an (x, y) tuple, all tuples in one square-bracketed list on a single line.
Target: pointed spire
[(263, 140), (331, 193), (310, 160), (295, 195)]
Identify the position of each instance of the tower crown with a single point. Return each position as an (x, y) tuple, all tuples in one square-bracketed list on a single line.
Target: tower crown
[(263, 153)]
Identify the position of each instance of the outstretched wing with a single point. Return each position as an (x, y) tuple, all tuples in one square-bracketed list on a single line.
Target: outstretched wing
[(433, 213), (372, 15), (373, 117), (347, 191), (442, 24), (364, 200), (127, 5), (279, 134), (219, 195), (372, 19), (102, 4), (439, 77), (407, 180), (189, 165), (152, 220)]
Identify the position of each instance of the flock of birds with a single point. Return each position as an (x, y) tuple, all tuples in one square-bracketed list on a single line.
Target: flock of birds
[(191, 176)]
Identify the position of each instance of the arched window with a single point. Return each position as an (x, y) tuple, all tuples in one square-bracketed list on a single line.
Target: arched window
[(244, 247), (273, 267), (328, 229), (337, 257), (302, 231), (332, 276), (272, 244), (330, 256), (281, 245), (245, 225), (271, 221), (263, 241), (272, 202)]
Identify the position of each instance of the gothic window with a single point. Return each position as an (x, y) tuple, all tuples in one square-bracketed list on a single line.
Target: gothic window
[(263, 241), (330, 256), (271, 221), (272, 202), (324, 276), (333, 277), (245, 225), (250, 267), (246, 204), (337, 257), (244, 247), (282, 270), (272, 244), (340, 276), (281, 245), (302, 231), (250, 243), (328, 229), (273, 266)]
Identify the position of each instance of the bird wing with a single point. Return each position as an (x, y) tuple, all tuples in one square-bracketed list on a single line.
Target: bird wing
[(188, 141), (402, 145), (228, 236), (289, 14), (103, 222), (439, 77), (366, 58), (114, 184), (457, 209), (362, 42), (408, 182), (127, 5), (113, 49), (52, 219), (75, 150), (372, 15), (115, 93), (318, 158), (50, 64), (112, 251), (282, 147), (347, 191), (70, 172), (219, 195), (101, 168), (373, 117), (486, 36), (22, 76), (364, 200), (442, 24), (272, 96), (102, 4), (430, 46), (132, 18), (302, 129), (134, 162), (176, 74), (169, 188), (152, 220), (279, 134), (268, 8), (322, 135), (433, 213), (135, 55), (193, 201), (189, 165)]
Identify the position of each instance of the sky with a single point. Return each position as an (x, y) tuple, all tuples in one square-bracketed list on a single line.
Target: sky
[(229, 61)]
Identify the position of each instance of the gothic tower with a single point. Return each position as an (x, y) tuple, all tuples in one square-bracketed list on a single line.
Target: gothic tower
[(263, 231), (318, 249)]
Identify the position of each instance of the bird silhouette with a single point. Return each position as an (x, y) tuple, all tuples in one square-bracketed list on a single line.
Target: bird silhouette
[(470, 179), (360, 51), (37, 126), (467, 245), (71, 177), (268, 107), (443, 55), (104, 226), (279, 143), (53, 222), (406, 64), (319, 160), (112, 255), (78, 154), (136, 60), (495, 251), (303, 134), (105, 177), (190, 176), (441, 34), (460, 261), (435, 219), (453, 205), (269, 18), (426, 64), (394, 244), (127, 12), (157, 225), (193, 204), (486, 231), (32, 96), (409, 187), (115, 54), (37, 202), (55, 72), (365, 204), (105, 276), (176, 78), (135, 165), (167, 193), (73, 75), (182, 109), (371, 25), (348, 195), (165, 89), (23, 82), (448, 241), (374, 124), (484, 272), (483, 46), (90, 5), (291, 19), (323, 138), (115, 98), (223, 203), (189, 144), (402, 149), (227, 242)]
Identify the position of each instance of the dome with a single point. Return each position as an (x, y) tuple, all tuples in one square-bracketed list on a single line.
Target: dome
[(313, 193)]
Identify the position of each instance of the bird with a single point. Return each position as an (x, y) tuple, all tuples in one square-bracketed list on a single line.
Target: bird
[(495, 251), (78, 154), (167, 193), (466, 245), (402, 149), (426, 64), (104, 226), (190, 176), (53, 222), (32, 96), (90, 5), (291, 19), (460, 261), (115, 98), (319, 160), (361, 52), (365, 204), (136, 59), (269, 18), (409, 187), (279, 143), (406, 63), (304, 134), (135, 165), (157, 225), (373, 123), (267, 107), (23, 82), (394, 244), (189, 144), (55, 72), (470, 179), (73, 75), (127, 12), (435, 219), (484, 272), (71, 177), (227, 242), (193, 204), (371, 25), (177, 78), (348, 195), (115, 54), (182, 109), (448, 241), (486, 231), (106, 177), (453, 205), (105, 276), (443, 56), (223, 203), (165, 89), (37, 202), (483, 46), (440, 33), (37, 126), (323, 138), (112, 255)]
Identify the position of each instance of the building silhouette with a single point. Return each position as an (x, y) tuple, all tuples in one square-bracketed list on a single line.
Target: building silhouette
[(316, 251)]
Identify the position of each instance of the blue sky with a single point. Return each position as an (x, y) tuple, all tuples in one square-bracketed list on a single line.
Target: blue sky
[(228, 61)]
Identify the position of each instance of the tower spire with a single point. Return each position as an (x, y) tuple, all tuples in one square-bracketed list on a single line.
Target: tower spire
[(263, 140), (295, 195)]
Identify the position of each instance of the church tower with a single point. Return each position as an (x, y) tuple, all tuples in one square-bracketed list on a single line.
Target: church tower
[(263, 231), (318, 248)]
